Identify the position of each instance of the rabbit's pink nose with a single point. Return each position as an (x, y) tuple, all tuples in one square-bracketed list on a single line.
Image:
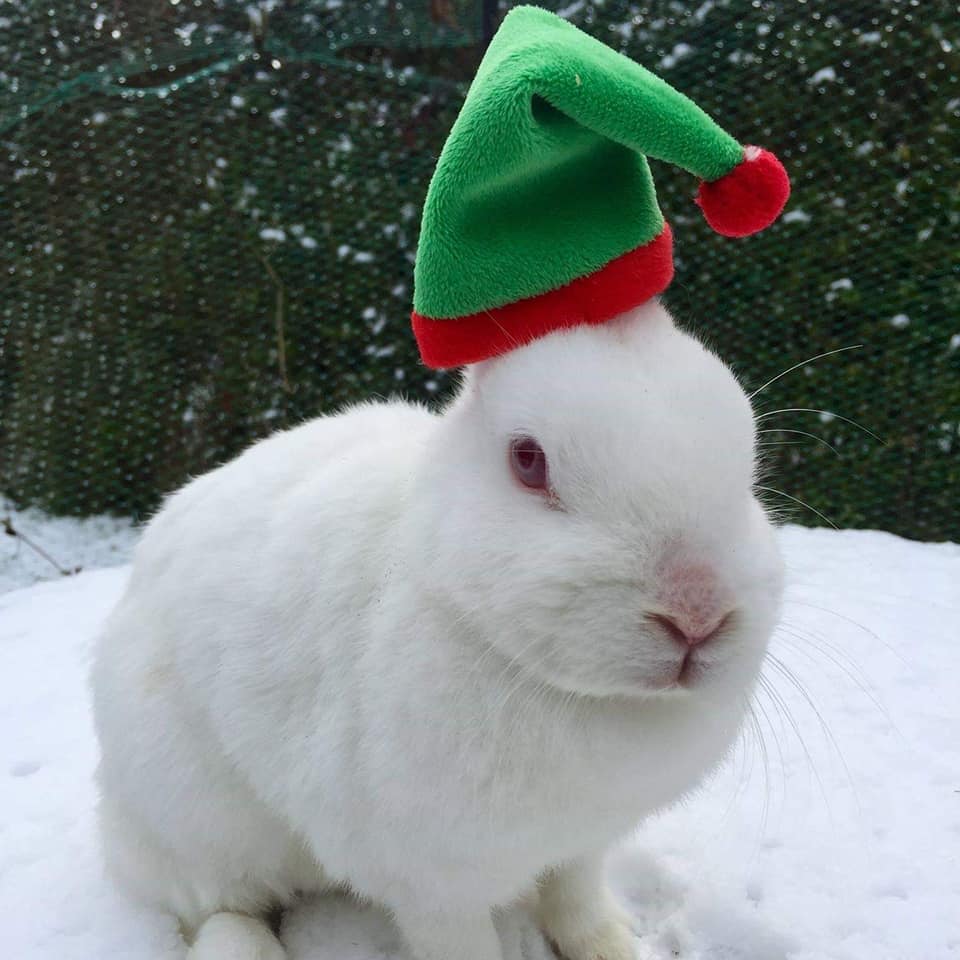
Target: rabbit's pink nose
[(690, 634), (691, 605)]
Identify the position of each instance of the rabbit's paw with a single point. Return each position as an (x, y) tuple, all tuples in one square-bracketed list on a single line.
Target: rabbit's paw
[(580, 916), (612, 939), (232, 936)]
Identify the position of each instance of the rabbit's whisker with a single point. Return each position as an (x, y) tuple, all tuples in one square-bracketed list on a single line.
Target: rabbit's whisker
[(757, 731), (802, 433), (825, 413), (802, 363), (802, 641), (802, 503), (786, 715), (825, 728), (850, 620), (764, 718)]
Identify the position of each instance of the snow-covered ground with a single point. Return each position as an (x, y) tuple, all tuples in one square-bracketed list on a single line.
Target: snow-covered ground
[(837, 837), (88, 543)]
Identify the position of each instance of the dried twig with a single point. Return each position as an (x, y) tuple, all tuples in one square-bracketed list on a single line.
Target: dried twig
[(11, 531), (278, 321)]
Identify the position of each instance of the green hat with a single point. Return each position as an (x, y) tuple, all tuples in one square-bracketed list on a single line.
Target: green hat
[(542, 213)]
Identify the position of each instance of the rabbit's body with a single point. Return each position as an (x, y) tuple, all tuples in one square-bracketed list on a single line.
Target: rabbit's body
[(342, 659)]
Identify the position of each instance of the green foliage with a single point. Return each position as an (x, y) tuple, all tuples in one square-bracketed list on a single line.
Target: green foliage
[(208, 219)]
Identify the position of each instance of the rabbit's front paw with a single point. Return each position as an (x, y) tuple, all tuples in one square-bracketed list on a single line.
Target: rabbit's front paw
[(579, 915), (611, 940)]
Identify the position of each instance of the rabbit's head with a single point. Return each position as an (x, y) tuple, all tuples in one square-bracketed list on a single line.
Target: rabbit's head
[(589, 511)]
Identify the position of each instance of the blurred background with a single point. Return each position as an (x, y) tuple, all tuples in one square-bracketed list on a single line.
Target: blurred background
[(209, 215)]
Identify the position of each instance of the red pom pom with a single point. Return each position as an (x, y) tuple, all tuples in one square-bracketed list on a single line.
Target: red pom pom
[(749, 198)]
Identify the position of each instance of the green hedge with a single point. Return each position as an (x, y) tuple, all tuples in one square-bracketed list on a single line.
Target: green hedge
[(208, 217)]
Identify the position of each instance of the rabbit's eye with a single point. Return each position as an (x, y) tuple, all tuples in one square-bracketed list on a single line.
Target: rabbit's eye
[(529, 463)]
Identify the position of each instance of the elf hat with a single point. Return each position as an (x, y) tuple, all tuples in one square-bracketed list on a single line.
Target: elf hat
[(542, 214)]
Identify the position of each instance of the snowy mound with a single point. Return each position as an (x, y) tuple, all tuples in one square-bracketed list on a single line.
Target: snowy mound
[(833, 836)]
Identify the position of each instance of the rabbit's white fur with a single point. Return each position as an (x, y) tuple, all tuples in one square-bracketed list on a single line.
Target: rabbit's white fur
[(361, 653)]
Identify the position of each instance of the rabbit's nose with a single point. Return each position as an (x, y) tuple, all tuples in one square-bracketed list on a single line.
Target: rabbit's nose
[(692, 607), (689, 633)]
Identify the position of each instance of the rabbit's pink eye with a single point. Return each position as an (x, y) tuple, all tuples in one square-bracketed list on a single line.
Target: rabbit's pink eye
[(529, 463)]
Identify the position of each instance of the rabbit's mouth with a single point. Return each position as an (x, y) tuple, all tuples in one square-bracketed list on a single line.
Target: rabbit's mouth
[(689, 669), (694, 672), (654, 661), (715, 671), (687, 673), (713, 675)]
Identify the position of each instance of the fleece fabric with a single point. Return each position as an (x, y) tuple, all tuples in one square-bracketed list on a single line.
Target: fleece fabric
[(543, 182)]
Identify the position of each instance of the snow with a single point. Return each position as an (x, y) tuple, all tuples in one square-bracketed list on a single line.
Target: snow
[(571, 10), (185, 33), (796, 216), (678, 53), (86, 543), (844, 283), (842, 847), (900, 321), (822, 75), (700, 14), (623, 30)]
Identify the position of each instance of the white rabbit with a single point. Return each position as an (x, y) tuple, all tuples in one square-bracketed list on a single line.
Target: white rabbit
[(406, 653)]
